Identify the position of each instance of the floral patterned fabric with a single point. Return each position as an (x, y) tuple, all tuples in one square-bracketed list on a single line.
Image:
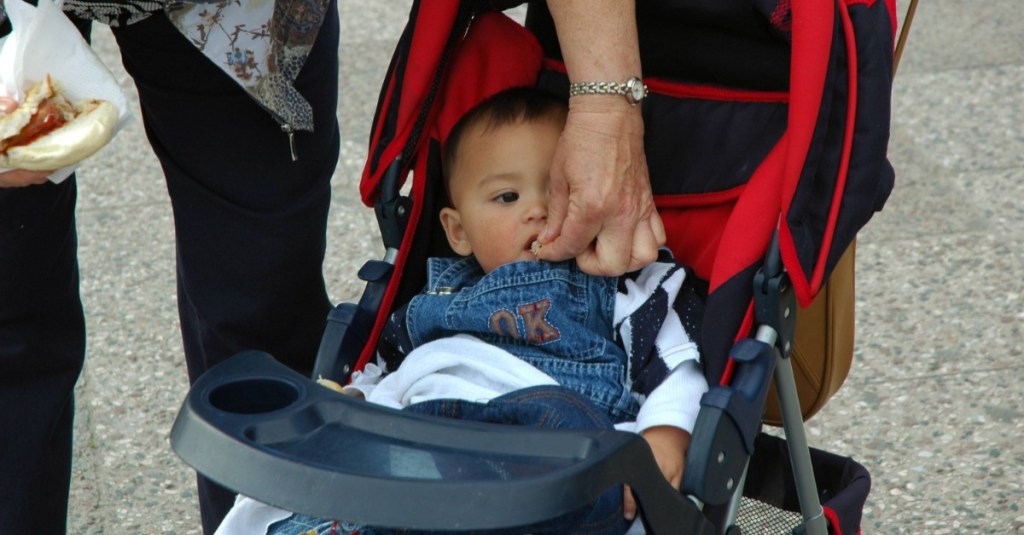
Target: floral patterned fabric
[(261, 44)]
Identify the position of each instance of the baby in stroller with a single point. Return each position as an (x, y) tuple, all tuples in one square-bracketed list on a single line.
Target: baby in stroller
[(548, 345)]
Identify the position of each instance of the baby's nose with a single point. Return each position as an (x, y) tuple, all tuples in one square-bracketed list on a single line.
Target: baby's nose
[(537, 210)]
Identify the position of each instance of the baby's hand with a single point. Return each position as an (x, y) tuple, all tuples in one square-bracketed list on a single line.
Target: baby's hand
[(340, 389), (669, 445)]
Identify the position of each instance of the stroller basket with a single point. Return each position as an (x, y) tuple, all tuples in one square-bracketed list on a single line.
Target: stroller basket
[(766, 518), (771, 504)]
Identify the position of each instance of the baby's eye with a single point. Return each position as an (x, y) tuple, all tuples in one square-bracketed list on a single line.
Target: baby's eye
[(507, 197)]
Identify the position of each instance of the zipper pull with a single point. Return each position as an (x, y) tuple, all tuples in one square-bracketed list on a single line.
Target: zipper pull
[(287, 129)]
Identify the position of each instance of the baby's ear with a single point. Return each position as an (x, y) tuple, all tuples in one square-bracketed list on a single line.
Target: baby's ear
[(452, 223)]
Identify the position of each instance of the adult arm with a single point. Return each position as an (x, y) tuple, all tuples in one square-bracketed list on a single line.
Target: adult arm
[(601, 210)]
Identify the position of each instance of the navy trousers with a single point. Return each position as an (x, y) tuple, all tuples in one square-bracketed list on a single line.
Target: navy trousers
[(250, 227)]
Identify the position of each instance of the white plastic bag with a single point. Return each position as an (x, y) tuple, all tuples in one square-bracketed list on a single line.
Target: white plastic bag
[(43, 41)]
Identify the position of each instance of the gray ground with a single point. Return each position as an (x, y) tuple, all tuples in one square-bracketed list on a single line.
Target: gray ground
[(934, 405)]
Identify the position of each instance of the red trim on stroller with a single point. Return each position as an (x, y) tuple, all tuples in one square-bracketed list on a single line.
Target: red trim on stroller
[(833, 520), (851, 121), (811, 47), (369, 351), (753, 219), (705, 211), (851, 45), (703, 92), (419, 62), (812, 38), (378, 131), (694, 200), (823, 43)]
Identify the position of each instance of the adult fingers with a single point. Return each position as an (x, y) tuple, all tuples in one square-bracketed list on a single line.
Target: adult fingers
[(618, 247), (658, 228), (558, 204), (624, 245), (645, 245), (17, 178), (612, 251), (584, 215), (8, 104), (576, 239)]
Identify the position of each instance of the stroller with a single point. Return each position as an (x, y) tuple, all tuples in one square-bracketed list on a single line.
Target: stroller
[(797, 171)]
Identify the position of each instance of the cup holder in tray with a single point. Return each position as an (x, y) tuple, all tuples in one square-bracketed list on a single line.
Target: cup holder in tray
[(254, 395)]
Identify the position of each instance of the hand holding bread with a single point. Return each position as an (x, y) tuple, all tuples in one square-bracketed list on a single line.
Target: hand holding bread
[(46, 131)]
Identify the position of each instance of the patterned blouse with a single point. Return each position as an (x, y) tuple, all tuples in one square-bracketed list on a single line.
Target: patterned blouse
[(261, 44)]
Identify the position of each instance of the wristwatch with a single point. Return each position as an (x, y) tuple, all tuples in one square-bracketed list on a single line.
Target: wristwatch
[(633, 89)]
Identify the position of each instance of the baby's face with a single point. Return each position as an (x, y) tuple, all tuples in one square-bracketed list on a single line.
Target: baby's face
[(499, 187)]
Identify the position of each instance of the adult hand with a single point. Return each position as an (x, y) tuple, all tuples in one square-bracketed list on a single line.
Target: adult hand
[(16, 178), (601, 210)]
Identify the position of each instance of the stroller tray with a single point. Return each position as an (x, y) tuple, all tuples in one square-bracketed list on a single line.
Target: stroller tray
[(313, 451)]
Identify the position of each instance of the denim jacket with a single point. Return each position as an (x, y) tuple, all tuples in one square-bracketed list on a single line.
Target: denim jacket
[(553, 316)]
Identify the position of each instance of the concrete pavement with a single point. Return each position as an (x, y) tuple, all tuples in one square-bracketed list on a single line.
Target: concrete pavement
[(934, 405)]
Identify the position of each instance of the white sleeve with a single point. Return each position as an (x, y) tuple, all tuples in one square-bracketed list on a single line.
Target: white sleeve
[(676, 401)]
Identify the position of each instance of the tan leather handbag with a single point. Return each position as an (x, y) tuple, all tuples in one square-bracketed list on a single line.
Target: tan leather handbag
[(823, 348)]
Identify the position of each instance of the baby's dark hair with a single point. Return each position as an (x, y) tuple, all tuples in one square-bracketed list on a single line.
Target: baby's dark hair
[(501, 109)]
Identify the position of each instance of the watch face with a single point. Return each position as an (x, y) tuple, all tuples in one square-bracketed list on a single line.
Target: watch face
[(635, 90)]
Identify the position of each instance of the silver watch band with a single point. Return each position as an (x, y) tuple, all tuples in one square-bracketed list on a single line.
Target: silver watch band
[(633, 89)]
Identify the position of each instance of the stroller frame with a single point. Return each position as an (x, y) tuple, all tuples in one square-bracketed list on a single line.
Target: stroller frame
[(261, 429)]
